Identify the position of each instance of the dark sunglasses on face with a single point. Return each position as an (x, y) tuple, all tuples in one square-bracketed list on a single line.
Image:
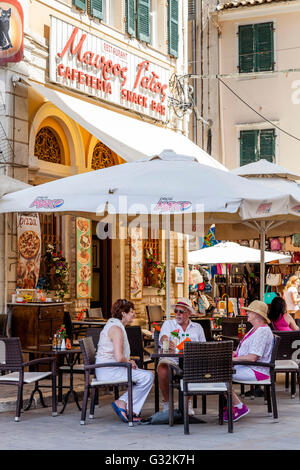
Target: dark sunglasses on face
[(177, 310)]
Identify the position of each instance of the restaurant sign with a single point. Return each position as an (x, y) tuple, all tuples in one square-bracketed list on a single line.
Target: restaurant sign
[(89, 64), (11, 31)]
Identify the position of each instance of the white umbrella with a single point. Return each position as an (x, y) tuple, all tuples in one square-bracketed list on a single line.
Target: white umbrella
[(10, 185), (168, 186), (232, 253)]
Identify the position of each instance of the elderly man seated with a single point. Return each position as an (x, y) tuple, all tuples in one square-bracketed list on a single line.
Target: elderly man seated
[(183, 309)]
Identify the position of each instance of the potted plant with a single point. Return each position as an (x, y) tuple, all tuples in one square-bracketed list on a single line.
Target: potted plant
[(57, 277), (156, 271)]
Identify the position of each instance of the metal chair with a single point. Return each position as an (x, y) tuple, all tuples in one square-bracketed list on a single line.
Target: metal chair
[(3, 324), (17, 376), (137, 351), (285, 360), (270, 391), (207, 370), (88, 352), (95, 334)]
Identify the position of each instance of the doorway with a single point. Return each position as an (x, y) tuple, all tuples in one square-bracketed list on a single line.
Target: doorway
[(101, 273)]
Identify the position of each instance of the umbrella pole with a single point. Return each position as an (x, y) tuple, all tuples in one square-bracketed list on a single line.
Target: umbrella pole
[(227, 289), (262, 232), (168, 267)]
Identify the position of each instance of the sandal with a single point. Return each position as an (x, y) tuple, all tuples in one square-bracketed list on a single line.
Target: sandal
[(119, 412)]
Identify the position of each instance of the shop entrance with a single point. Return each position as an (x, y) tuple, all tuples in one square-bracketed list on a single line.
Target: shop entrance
[(101, 274)]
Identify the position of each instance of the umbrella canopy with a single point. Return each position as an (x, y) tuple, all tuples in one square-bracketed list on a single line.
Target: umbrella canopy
[(263, 168), (10, 185), (232, 253)]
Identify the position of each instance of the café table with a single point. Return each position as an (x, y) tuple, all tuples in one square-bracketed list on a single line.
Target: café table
[(60, 354), (156, 355)]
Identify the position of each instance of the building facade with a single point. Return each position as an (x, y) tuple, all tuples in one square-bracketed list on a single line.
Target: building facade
[(119, 55)]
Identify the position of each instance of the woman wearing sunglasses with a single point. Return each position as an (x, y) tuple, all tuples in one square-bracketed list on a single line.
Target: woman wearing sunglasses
[(182, 323)]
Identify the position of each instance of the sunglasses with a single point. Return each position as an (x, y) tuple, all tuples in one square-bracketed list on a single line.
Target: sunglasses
[(178, 310)]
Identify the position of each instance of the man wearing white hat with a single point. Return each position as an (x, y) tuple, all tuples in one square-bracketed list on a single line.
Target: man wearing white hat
[(185, 328)]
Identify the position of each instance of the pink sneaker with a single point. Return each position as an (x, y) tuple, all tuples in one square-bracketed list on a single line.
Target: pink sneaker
[(237, 413)]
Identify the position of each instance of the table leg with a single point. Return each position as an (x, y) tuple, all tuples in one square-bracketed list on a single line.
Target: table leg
[(156, 386), (71, 361)]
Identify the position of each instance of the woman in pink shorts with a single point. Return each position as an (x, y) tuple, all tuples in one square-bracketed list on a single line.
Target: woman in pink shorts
[(257, 345)]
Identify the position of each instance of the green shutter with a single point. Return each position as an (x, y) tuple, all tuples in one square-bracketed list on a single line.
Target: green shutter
[(96, 8), (130, 17), (173, 27), (248, 147), (80, 4), (143, 20), (264, 49), (246, 48), (267, 145)]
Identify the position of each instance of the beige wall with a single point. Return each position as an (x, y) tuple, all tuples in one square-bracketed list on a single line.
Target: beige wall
[(271, 95)]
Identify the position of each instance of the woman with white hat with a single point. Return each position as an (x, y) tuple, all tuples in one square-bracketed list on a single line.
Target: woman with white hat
[(256, 345)]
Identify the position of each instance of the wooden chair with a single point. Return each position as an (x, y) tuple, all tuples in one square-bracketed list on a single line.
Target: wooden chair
[(207, 370), (90, 384), (17, 376), (270, 391)]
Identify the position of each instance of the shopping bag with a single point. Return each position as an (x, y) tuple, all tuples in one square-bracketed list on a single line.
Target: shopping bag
[(273, 279)]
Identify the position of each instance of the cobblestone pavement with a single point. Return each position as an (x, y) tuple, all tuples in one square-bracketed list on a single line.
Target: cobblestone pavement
[(39, 430)]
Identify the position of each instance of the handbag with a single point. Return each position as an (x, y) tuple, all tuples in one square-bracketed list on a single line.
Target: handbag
[(296, 240), (205, 301), (201, 286), (273, 279), (275, 244), (269, 296), (201, 306)]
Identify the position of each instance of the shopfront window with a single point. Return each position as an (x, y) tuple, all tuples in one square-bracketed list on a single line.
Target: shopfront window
[(151, 250), (48, 146), (103, 157), (51, 234)]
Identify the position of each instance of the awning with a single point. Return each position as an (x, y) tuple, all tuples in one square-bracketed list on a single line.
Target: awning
[(130, 138)]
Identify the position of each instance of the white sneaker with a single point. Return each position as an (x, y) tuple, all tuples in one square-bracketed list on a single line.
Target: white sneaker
[(165, 406), (191, 409)]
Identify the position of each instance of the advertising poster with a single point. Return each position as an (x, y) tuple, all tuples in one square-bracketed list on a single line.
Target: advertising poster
[(11, 32), (136, 274), (83, 258), (29, 250)]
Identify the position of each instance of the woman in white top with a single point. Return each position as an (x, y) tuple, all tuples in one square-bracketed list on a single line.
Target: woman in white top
[(291, 295), (113, 346)]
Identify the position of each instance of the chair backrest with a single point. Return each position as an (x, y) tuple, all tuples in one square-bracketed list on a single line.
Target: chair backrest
[(3, 324), (11, 354), (276, 343), (287, 346), (230, 325), (88, 350), (207, 362), (68, 325), (154, 314), (94, 333), (205, 323), (95, 313), (135, 339)]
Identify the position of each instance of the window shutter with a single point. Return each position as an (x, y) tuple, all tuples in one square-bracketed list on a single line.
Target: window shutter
[(264, 49), (143, 20), (130, 17), (248, 147), (80, 4), (267, 144), (96, 8), (173, 27), (246, 48)]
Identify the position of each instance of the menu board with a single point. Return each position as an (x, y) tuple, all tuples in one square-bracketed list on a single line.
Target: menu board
[(29, 250), (136, 274), (83, 258)]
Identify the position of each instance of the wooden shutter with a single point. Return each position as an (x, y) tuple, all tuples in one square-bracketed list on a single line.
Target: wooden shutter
[(130, 17), (264, 49), (248, 147), (80, 4), (96, 8), (143, 20), (267, 144), (173, 27), (246, 48)]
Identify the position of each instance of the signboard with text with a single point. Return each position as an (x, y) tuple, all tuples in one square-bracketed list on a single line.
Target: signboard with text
[(89, 64)]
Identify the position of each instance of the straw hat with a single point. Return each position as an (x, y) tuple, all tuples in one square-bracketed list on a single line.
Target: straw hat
[(187, 303), (260, 308)]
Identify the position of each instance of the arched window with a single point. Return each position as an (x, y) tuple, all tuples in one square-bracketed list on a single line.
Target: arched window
[(48, 146), (103, 157)]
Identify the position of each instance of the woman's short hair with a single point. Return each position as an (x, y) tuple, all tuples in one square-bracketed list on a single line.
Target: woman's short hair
[(277, 309), (121, 305)]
